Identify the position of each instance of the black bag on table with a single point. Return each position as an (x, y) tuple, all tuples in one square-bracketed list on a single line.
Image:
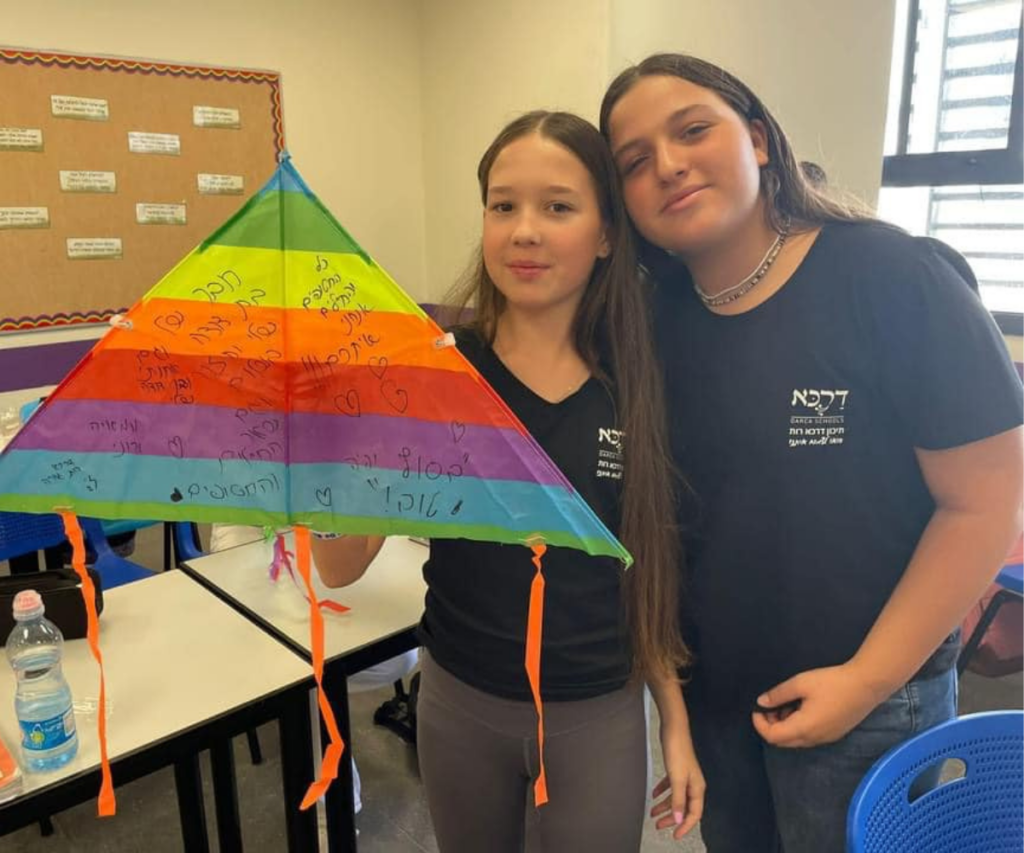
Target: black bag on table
[(61, 590)]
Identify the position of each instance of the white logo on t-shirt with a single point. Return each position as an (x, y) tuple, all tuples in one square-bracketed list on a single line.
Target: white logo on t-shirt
[(821, 420), (609, 452)]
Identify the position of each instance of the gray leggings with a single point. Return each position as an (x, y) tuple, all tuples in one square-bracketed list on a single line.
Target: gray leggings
[(478, 759)]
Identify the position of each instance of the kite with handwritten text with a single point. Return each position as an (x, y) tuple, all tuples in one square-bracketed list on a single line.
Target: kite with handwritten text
[(278, 376)]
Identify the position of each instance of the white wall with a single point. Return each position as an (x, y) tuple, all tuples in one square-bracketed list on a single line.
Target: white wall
[(484, 63), (821, 67), (350, 84)]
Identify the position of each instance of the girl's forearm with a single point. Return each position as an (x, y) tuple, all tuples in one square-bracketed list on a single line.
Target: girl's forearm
[(954, 563), (668, 697)]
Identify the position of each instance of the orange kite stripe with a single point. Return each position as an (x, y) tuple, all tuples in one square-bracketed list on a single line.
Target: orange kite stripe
[(440, 395), (216, 329)]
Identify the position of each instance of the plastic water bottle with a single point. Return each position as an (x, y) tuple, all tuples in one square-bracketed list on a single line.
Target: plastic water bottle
[(42, 698)]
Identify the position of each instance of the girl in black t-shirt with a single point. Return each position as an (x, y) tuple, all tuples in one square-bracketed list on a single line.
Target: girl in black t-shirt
[(847, 416), (561, 332)]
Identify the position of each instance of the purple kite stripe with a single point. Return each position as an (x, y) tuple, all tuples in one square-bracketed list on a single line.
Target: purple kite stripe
[(214, 432)]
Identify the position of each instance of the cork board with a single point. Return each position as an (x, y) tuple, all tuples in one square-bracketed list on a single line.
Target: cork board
[(112, 170)]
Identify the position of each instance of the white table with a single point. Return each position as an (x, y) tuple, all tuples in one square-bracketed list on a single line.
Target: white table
[(386, 601), (386, 606), (182, 671)]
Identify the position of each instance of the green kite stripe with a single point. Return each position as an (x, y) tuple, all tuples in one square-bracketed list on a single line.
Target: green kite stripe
[(285, 220)]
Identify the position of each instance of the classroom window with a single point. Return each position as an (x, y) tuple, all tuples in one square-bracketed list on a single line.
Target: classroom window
[(954, 166)]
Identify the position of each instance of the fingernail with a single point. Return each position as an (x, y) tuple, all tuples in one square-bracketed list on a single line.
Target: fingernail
[(762, 699), (678, 816)]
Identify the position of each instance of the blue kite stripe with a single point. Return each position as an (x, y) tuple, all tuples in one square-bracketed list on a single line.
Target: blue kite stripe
[(285, 179), (319, 488)]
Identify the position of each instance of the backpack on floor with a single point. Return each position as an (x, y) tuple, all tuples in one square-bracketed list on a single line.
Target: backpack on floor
[(399, 714)]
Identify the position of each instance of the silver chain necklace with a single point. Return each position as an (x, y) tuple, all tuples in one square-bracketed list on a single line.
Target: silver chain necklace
[(733, 293)]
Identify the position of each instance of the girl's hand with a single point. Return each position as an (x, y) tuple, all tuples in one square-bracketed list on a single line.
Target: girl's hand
[(342, 560), (819, 706), (684, 782)]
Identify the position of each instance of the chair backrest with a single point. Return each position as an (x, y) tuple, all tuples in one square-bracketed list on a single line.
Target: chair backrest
[(112, 569), (23, 533), (981, 811), (186, 541), (1011, 577)]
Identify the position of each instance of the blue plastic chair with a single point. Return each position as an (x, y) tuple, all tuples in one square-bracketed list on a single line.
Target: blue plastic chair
[(24, 533), (185, 536), (981, 811), (113, 570)]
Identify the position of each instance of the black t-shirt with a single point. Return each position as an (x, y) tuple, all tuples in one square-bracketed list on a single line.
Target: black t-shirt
[(478, 593), (795, 424)]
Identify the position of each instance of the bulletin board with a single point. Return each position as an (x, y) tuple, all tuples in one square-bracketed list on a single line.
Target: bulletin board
[(112, 170)]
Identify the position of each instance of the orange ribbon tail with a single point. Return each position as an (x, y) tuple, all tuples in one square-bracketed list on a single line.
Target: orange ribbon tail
[(534, 631), (106, 804), (332, 755)]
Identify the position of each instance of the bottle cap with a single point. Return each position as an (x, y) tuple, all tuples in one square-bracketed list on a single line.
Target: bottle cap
[(28, 604)]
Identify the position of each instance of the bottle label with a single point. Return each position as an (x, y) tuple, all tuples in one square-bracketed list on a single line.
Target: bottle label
[(40, 735)]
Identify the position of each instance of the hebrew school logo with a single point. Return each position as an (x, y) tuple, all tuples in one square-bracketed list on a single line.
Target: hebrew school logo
[(818, 418), (609, 453)]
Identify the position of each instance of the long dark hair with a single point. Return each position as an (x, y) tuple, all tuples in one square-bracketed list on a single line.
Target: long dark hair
[(789, 196), (612, 333)]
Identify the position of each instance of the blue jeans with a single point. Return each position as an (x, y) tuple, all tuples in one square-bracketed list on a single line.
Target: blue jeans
[(765, 799)]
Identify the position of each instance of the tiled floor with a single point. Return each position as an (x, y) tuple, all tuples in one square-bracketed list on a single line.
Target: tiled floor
[(394, 817)]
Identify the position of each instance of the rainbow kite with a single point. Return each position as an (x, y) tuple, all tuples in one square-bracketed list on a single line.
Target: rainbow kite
[(278, 376)]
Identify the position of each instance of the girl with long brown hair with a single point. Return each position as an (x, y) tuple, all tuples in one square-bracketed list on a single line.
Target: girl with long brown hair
[(848, 419), (561, 332)]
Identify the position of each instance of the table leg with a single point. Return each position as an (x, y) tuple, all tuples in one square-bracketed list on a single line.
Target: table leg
[(225, 797), (189, 784), (297, 773), (341, 818), (255, 753), (168, 546)]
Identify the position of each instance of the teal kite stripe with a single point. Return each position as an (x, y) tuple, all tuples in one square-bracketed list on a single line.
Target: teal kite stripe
[(338, 488), (286, 179)]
